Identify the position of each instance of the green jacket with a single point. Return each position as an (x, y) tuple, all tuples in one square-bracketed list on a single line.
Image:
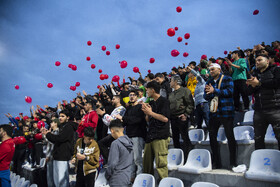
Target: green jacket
[(239, 73), (181, 102)]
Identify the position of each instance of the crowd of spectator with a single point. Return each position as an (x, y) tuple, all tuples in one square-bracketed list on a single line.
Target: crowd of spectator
[(121, 121)]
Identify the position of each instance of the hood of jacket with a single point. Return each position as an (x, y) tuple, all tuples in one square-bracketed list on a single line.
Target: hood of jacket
[(126, 142)]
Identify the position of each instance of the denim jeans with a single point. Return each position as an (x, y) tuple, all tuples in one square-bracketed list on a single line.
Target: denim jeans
[(138, 147), (5, 178), (50, 173), (202, 113), (61, 173)]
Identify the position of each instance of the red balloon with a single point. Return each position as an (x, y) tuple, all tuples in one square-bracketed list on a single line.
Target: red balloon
[(40, 124), (102, 77), (108, 53), (116, 78), (57, 63), (92, 66), (70, 65), (89, 43), (176, 28), (174, 53), (25, 118), (15, 140), (16, 87), (73, 88), (17, 118), (179, 39), (103, 48), (118, 46), (21, 140), (100, 70), (152, 60), (98, 86), (74, 67), (28, 99), (187, 35), (135, 69), (186, 43), (170, 32), (225, 52), (77, 84), (88, 58), (256, 12), (123, 64), (185, 54), (179, 9), (203, 57), (50, 85), (106, 76), (149, 71), (38, 136)]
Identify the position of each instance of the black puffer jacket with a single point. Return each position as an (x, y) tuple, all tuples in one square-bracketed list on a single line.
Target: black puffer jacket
[(267, 96)]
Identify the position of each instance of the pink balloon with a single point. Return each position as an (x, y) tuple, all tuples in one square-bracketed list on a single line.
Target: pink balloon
[(100, 70), (92, 66), (16, 87), (170, 32), (256, 12), (203, 57), (225, 52), (77, 84), (123, 64), (116, 78), (103, 48), (50, 85), (88, 58), (108, 53), (179, 9), (179, 39), (176, 28), (135, 69), (118, 46), (152, 60), (174, 53), (28, 99), (185, 54), (74, 67), (187, 35), (57, 63), (89, 43)]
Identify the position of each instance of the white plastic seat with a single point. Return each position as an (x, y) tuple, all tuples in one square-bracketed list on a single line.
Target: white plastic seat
[(144, 179), (244, 134), (199, 160), (221, 137), (175, 158), (101, 181), (170, 181), (204, 184), (270, 136), (20, 182), (248, 116), (15, 179), (196, 135), (25, 184), (33, 185), (264, 165)]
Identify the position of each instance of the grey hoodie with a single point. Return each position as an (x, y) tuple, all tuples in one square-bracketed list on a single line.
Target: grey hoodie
[(120, 160)]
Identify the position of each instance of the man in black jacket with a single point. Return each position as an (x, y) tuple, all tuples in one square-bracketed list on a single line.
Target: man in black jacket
[(135, 123), (265, 85), (63, 148), (165, 89)]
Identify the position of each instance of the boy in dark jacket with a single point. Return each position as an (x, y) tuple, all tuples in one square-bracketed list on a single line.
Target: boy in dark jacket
[(120, 159)]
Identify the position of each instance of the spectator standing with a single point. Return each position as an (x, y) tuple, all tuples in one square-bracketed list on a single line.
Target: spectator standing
[(165, 89)]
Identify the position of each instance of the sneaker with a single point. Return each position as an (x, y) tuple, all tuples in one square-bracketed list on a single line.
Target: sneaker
[(191, 127)]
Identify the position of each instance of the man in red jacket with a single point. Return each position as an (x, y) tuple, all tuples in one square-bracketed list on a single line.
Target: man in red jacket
[(90, 119), (7, 149)]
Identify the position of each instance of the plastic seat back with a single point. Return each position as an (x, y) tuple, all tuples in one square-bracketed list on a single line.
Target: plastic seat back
[(196, 135), (175, 158), (144, 180), (270, 136), (170, 181), (204, 184)]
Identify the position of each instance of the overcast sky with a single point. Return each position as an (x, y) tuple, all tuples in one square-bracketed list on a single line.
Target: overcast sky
[(36, 34)]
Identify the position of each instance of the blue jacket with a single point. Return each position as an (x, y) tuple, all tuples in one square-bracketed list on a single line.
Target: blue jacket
[(225, 94)]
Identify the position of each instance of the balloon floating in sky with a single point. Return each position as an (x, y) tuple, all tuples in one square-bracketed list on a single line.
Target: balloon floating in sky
[(106, 76), (16, 87), (174, 53), (186, 43), (256, 12), (187, 35), (118, 46), (17, 118), (103, 48), (100, 70), (92, 66), (170, 32), (28, 99), (88, 58), (102, 77), (89, 43), (108, 53), (77, 84), (123, 64), (152, 60), (40, 124), (50, 85), (149, 71), (25, 118), (179, 39), (203, 57), (176, 28), (225, 52), (73, 88), (135, 69), (185, 54), (57, 63), (116, 78), (179, 9), (74, 67), (70, 65), (98, 86)]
